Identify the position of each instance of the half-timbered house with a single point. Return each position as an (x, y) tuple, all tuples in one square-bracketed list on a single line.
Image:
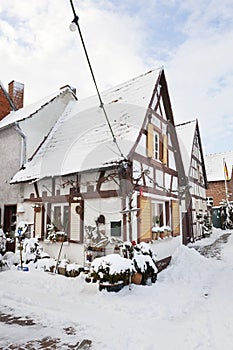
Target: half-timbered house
[(108, 173), (195, 214)]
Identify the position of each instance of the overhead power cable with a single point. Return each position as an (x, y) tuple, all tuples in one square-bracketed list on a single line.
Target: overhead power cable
[(75, 21)]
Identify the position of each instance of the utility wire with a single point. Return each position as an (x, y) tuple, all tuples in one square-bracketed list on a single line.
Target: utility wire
[(75, 20)]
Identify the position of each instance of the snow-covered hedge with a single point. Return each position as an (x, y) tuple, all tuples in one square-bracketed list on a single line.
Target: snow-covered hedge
[(112, 269)]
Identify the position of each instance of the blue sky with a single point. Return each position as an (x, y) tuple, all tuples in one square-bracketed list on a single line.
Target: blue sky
[(192, 40)]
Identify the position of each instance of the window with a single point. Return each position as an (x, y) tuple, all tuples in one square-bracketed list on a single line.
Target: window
[(210, 201), (57, 221), (66, 215), (60, 217), (158, 214), (116, 228), (156, 145), (199, 173)]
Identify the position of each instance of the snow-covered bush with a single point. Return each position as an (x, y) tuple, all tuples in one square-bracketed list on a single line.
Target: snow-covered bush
[(2, 241), (112, 269), (9, 258), (227, 214), (46, 264), (3, 262), (31, 250)]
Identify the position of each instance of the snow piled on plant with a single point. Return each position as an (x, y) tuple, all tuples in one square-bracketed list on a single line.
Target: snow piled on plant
[(114, 262), (189, 307)]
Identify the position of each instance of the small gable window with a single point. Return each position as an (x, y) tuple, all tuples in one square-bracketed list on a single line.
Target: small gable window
[(154, 143)]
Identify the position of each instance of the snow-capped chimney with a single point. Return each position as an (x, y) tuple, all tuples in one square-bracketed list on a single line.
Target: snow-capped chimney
[(73, 89), (16, 92)]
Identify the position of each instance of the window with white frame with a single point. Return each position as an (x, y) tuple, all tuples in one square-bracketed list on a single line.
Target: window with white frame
[(158, 213), (60, 217), (156, 145)]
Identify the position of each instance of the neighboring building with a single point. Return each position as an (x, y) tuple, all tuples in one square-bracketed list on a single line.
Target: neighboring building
[(220, 182), (21, 133), (11, 100), (118, 183), (194, 206)]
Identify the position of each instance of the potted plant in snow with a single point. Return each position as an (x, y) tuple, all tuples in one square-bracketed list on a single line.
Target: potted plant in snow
[(61, 269), (155, 228), (163, 233), (145, 265), (73, 270), (168, 230)]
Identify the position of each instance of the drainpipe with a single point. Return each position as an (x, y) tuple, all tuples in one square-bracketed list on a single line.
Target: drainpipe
[(23, 148)]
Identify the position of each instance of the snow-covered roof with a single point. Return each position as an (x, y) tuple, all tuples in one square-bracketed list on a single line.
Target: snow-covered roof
[(81, 139), (215, 165), (185, 133), (28, 111)]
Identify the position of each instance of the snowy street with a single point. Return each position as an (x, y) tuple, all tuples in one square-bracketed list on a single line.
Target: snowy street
[(189, 307)]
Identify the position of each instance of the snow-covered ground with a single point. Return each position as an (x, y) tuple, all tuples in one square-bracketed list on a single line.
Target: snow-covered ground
[(189, 307)]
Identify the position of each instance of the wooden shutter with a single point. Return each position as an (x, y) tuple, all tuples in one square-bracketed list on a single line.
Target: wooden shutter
[(145, 219), (165, 140), (150, 140), (175, 218)]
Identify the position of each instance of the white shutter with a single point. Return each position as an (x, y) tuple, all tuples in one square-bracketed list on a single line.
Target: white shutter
[(74, 223), (38, 224)]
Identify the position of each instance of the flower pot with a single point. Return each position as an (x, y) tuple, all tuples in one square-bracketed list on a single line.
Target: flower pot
[(51, 269), (163, 235), (73, 273), (62, 271), (88, 279), (136, 278), (155, 235)]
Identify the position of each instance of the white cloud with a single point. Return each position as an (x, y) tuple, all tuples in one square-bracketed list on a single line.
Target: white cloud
[(201, 73), (40, 50), (193, 40)]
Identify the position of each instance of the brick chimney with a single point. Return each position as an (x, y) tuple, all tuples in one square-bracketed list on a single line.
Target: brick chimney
[(16, 93)]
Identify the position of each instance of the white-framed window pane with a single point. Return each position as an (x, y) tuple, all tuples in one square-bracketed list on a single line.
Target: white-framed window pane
[(156, 145)]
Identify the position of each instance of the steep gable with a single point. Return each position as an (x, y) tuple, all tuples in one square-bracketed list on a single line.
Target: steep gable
[(191, 150)]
